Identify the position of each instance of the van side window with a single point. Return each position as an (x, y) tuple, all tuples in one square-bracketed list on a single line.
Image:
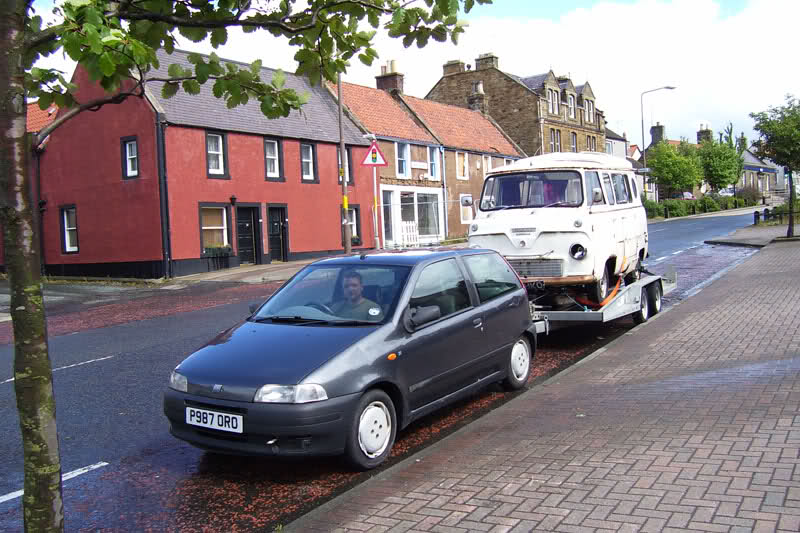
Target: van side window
[(592, 183), (609, 189), (621, 190), (635, 192)]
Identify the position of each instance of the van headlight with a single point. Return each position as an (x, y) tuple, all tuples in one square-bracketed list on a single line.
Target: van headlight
[(304, 393), (473, 228), (577, 251)]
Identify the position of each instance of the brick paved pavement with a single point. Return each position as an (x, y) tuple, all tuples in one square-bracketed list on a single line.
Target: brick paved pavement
[(689, 422)]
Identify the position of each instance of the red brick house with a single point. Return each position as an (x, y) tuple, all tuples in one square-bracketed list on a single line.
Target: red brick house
[(156, 187)]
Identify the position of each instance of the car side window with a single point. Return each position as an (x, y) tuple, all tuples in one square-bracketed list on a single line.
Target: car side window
[(441, 284), (492, 276), (592, 183), (621, 190), (608, 189)]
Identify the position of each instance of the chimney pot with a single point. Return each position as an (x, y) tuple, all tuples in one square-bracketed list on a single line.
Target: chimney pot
[(486, 61), (453, 67), (389, 80)]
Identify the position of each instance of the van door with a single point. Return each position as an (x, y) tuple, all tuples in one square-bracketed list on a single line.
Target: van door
[(622, 192), (615, 219)]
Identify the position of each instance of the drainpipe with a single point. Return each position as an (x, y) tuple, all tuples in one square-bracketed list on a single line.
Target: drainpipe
[(166, 245), (444, 190), (40, 205)]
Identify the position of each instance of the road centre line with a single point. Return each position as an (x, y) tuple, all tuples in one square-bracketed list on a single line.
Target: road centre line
[(65, 477), (69, 366), (661, 259), (678, 252)]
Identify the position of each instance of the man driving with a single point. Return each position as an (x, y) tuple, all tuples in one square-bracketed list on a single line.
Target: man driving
[(355, 306)]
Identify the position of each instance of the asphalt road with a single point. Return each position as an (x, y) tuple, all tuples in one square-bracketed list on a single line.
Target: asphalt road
[(109, 381)]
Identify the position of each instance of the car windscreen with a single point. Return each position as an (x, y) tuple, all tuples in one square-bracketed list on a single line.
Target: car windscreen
[(337, 294), (559, 188)]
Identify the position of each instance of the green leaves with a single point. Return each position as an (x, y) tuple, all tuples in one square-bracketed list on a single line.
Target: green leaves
[(168, 90), (779, 133)]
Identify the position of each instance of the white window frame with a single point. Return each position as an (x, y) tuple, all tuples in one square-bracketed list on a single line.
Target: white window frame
[(558, 140), (573, 139), (556, 102), (465, 167), (346, 167), (462, 208), (433, 167), (609, 148), (552, 140), (224, 226), (396, 216), (310, 175), (221, 154), (405, 157), (68, 228), (276, 159), (352, 220), (589, 107), (131, 161), (571, 100), (549, 101)]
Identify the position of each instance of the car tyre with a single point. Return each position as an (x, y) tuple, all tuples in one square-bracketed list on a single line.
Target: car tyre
[(654, 294), (641, 316), (601, 288), (372, 431), (519, 365)]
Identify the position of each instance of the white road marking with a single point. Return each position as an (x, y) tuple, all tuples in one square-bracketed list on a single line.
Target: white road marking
[(65, 477), (69, 366), (661, 258), (678, 252), (657, 230)]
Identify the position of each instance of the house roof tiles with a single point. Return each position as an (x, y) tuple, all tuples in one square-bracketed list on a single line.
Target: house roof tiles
[(459, 127), (381, 114), (38, 119), (318, 121)]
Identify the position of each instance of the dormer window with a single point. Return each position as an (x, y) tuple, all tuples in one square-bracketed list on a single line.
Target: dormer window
[(552, 101), (571, 100), (589, 107)]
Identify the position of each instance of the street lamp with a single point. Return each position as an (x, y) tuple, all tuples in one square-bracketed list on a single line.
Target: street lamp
[(641, 108)]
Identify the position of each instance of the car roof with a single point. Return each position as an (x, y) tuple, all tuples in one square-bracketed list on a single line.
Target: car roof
[(401, 257)]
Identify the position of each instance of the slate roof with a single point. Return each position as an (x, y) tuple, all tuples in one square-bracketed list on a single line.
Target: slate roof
[(612, 135), (381, 114), (459, 127), (38, 119), (533, 82), (579, 88), (319, 121)]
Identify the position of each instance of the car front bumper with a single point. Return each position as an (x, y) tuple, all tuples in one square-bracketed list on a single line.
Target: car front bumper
[(317, 428)]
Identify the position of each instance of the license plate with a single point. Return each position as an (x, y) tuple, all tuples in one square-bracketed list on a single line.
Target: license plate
[(214, 420)]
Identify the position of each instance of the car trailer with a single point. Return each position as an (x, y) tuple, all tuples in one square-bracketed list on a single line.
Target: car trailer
[(641, 299)]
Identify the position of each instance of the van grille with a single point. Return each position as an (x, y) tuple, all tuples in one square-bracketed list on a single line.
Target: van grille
[(538, 268)]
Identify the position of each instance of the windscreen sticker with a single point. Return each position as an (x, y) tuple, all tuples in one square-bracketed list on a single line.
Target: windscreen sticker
[(374, 311)]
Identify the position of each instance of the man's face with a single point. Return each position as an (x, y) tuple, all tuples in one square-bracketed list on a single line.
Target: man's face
[(352, 289)]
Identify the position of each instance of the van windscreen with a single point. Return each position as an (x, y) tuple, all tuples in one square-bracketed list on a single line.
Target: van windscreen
[(532, 189)]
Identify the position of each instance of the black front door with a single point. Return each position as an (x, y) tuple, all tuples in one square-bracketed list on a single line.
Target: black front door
[(278, 235), (247, 233)]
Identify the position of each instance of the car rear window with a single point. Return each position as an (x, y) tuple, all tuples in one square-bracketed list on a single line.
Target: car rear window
[(492, 275)]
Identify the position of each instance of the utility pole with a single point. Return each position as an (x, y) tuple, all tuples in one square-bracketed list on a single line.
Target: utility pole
[(348, 245)]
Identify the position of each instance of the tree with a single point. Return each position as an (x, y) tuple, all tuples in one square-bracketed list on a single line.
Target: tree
[(673, 170), (740, 145), (779, 140), (720, 163), (116, 42)]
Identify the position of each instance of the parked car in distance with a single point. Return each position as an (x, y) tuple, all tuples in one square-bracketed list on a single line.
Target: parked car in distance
[(685, 195), (351, 350), (728, 191)]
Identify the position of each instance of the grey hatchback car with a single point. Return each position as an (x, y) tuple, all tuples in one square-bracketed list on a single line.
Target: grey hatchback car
[(351, 350)]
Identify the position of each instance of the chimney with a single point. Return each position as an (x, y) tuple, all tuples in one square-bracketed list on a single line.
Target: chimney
[(477, 100), (704, 133), (656, 133), (389, 79), (486, 61), (453, 67)]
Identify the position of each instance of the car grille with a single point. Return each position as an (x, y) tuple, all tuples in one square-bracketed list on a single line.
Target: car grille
[(538, 268)]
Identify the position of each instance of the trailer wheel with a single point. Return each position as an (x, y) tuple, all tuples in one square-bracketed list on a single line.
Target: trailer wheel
[(654, 293), (641, 316), (600, 289)]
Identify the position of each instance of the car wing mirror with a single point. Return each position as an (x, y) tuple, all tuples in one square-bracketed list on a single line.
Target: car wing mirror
[(597, 195), (415, 317), (466, 201)]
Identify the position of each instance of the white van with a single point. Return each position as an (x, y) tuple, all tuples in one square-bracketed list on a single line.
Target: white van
[(564, 220)]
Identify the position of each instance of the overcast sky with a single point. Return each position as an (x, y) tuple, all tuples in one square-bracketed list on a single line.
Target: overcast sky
[(727, 58)]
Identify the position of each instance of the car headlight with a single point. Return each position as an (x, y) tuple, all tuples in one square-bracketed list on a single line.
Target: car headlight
[(305, 393), (178, 381), (577, 251)]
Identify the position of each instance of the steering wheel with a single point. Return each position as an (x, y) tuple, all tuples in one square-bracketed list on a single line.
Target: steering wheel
[(320, 306)]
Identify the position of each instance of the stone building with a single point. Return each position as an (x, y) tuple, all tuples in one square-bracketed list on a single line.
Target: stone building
[(542, 113)]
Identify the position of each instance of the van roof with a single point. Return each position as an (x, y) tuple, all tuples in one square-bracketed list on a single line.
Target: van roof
[(568, 160)]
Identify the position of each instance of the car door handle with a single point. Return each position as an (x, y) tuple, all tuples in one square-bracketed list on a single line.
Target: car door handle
[(478, 322)]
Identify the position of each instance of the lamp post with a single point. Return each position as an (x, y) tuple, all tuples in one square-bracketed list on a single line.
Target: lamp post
[(641, 108)]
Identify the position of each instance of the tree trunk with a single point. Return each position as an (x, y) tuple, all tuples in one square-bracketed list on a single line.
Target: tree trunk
[(33, 377), (790, 230)]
